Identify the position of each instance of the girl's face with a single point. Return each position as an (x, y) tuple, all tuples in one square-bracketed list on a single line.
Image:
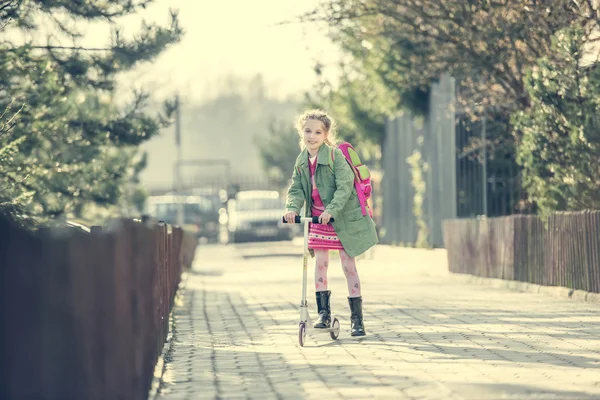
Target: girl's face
[(314, 135)]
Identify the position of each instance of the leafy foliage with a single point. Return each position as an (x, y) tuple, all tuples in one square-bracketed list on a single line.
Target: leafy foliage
[(418, 170), (278, 150), (63, 141), (489, 46), (560, 148), (359, 104)]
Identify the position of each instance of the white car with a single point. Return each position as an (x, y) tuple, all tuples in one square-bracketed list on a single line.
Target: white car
[(257, 215)]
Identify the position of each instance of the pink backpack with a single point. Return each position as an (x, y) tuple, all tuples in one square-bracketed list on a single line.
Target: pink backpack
[(362, 175)]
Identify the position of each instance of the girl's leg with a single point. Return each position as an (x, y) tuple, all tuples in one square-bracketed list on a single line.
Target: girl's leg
[(321, 266), (349, 267), (322, 294), (357, 327)]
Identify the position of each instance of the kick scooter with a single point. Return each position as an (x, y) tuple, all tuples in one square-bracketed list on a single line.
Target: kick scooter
[(305, 320)]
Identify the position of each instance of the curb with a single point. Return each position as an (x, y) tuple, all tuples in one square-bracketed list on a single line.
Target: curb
[(554, 291), (160, 367)]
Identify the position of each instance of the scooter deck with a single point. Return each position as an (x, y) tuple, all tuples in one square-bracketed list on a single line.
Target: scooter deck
[(324, 329)]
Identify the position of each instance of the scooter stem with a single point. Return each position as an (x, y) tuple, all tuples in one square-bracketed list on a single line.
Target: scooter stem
[(303, 305)]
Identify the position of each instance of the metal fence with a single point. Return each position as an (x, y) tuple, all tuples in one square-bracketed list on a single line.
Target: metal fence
[(563, 252), (85, 315), (487, 177), (468, 169), (433, 136)]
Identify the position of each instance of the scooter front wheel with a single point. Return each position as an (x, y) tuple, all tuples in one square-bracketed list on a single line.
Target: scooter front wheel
[(335, 329), (302, 334)]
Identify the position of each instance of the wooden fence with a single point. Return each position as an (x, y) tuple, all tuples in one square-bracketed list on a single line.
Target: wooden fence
[(85, 315), (563, 252)]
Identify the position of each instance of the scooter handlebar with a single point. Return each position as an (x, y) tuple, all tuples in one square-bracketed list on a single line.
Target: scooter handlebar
[(299, 220)]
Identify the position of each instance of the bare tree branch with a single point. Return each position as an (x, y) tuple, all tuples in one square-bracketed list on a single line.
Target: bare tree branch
[(7, 126)]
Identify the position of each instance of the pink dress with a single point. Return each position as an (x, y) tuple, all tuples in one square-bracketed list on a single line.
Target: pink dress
[(320, 236)]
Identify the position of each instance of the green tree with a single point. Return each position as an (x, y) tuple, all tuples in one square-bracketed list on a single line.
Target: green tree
[(278, 150), (359, 103), (487, 45), (65, 143), (418, 169), (560, 148)]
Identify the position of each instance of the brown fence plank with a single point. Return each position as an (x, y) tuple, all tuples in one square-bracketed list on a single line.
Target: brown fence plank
[(20, 315), (100, 249), (85, 315), (82, 299), (593, 256), (562, 251)]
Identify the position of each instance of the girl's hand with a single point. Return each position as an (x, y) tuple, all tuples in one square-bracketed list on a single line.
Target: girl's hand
[(325, 217), (290, 217)]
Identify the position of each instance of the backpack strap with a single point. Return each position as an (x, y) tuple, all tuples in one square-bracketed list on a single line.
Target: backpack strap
[(331, 158)]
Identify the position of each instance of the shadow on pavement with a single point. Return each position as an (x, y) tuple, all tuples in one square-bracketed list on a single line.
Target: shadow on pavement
[(494, 391), (271, 255), (223, 348), (236, 336)]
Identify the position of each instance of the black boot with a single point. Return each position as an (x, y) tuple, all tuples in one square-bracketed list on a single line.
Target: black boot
[(356, 318), (324, 320)]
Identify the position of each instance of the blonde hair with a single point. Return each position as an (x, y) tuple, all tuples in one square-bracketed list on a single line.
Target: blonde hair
[(317, 115)]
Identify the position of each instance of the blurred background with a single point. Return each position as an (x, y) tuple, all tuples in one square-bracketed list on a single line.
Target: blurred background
[(120, 109)]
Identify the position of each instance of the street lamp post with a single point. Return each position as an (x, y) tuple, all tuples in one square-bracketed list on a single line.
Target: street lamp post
[(178, 182)]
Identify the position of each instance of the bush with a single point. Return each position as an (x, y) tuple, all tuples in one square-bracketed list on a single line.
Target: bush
[(559, 147)]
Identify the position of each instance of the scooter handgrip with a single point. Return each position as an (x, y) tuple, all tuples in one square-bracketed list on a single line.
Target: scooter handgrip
[(298, 220), (315, 220)]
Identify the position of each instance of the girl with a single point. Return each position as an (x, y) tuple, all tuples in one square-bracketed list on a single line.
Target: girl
[(329, 193)]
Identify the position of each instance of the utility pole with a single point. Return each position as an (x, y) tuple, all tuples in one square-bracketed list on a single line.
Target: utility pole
[(484, 162), (178, 183)]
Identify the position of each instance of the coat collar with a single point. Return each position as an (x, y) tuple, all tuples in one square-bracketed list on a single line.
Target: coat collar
[(322, 155)]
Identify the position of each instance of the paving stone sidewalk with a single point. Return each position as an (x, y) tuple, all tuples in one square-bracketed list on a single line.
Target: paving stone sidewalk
[(429, 336)]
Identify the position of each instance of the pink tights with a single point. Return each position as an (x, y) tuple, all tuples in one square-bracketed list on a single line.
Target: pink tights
[(348, 265)]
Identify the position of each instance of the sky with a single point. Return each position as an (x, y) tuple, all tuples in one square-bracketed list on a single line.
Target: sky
[(238, 37), (227, 37), (223, 38)]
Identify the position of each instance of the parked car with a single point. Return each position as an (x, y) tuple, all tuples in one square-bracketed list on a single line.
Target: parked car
[(256, 215), (199, 216), (218, 199)]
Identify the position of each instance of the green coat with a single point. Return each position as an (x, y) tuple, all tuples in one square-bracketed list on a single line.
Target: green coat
[(356, 232)]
